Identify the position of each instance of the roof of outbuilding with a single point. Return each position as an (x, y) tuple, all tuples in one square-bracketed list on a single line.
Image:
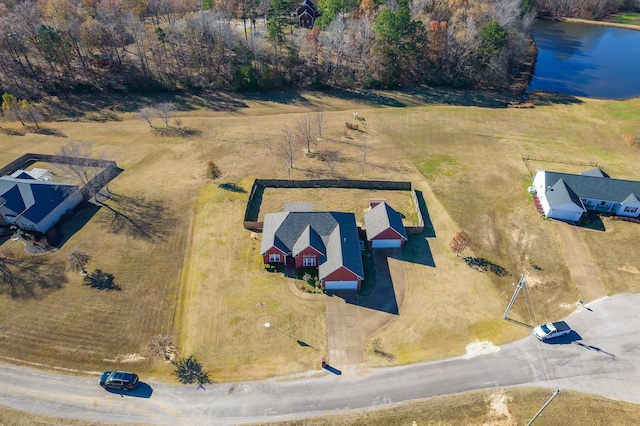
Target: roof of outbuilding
[(593, 187), (31, 198), (382, 217), (335, 232)]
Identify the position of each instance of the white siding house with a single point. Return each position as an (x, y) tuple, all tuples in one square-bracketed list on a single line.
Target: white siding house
[(35, 204), (567, 197)]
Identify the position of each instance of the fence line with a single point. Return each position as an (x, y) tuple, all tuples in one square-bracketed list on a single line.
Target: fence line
[(251, 212)]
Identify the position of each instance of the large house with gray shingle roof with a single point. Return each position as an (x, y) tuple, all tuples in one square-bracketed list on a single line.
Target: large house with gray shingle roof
[(567, 196), (384, 227), (326, 241), (33, 202)]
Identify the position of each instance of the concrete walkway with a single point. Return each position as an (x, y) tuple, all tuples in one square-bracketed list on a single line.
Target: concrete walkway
[(579, 262)]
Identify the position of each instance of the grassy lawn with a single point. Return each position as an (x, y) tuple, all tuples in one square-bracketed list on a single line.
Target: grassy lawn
[(197, 273), (628, 18), (355, 201), (513, 406)]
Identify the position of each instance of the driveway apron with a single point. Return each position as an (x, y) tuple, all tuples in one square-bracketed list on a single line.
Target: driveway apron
[(350, 319), (579, 262)]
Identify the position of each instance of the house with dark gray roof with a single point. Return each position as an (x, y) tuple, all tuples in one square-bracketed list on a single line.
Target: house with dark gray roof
[(326, 241), (567, 196), (384, 227), (32, 201), (307, 13)]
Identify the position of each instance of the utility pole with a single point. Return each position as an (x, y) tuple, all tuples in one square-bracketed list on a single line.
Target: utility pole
[(555, 393), (515, 294)]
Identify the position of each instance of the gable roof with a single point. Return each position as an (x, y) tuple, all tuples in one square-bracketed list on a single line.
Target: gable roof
[(309, 4), (308, 238), (593, 187), (31, 198), (560, 194), (632, 198), (382, 217), (597, 172), (334, 234)]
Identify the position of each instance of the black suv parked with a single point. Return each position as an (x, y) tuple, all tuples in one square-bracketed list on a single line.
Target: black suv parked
[(118, 380)]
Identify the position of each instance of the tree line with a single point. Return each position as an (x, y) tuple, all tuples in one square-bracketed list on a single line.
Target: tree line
[(56, 46)]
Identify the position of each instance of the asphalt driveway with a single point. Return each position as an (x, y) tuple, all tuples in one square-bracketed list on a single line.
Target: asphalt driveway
[(351, 319)]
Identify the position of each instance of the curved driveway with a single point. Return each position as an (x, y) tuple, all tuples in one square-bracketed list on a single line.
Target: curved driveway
[(601, 357)]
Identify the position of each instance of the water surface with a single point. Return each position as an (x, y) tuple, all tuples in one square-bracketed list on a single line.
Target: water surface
[(586, 60)]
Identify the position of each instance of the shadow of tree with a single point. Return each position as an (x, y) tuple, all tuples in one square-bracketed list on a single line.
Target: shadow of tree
[(484, 265), (48, 132), (31, 277), (229, 186), (138, 217), (175, 132), (101, 280), (11, 132)]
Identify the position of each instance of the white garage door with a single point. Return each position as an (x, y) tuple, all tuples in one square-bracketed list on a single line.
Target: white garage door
[(565, 215), (341, 285), (386, 243)]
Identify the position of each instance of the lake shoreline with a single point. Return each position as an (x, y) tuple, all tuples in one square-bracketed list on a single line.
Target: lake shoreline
[(588, 21)]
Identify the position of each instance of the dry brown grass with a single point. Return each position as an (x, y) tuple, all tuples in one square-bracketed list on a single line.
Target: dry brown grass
[(202, 277), (355, 201), (499, 407)]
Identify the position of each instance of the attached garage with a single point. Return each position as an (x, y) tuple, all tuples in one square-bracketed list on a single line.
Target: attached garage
[(569, 215), (386, 243), (341, 285)]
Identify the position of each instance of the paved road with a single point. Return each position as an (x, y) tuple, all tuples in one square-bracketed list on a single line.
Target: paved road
[(603, 358)]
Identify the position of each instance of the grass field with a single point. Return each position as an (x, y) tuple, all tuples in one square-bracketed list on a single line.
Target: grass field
[(626, 18), (197, 274)]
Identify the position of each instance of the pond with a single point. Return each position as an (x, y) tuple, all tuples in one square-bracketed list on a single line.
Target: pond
[(586, 60)]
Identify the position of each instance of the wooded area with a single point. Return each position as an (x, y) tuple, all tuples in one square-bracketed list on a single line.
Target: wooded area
[(56, 46)]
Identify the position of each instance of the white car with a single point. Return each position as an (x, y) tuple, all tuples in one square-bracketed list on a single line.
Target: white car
[(551, 330)]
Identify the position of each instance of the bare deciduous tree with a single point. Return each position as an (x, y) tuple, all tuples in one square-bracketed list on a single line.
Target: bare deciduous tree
[(147, 114), (73, 163), (288, 148), (365, 148), (30, 112), (459, 243), (77, 260), (162, 346), (331, 157), (318, 120), (305, 130), (165, 111)]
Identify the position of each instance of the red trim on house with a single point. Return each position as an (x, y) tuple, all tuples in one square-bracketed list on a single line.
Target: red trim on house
[(274, 250), (308, 252)]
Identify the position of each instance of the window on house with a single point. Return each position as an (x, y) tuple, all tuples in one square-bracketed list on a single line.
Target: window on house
[(630, 209), (602, 203), (274, 257), (309, 261)]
